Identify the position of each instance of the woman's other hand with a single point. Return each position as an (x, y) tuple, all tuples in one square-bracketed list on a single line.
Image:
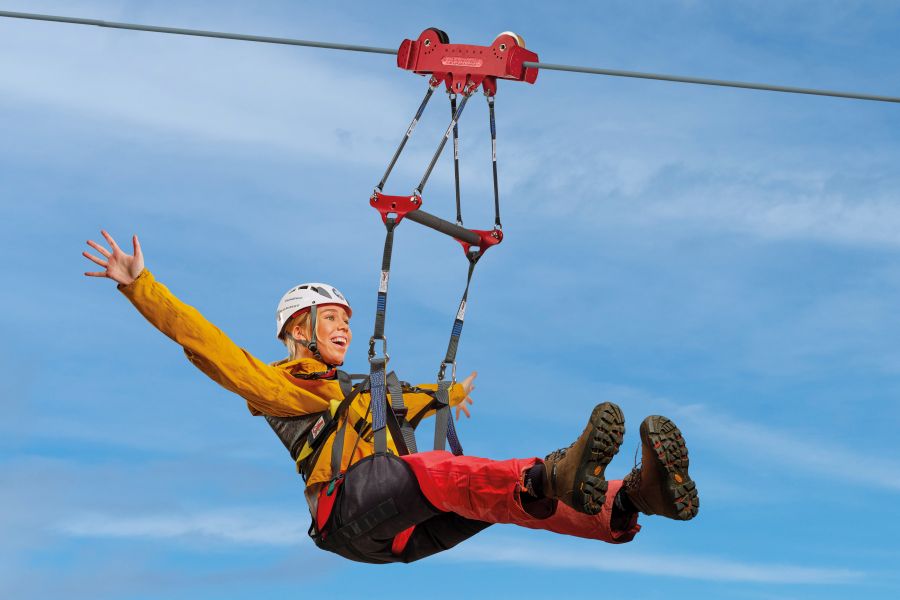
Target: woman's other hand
[(468, 385), (120, 267)]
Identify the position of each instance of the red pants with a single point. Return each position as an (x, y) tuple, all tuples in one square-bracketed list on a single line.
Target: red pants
[(489, 490)]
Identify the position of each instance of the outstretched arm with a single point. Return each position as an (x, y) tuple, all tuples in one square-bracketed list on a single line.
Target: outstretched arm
[(268, 390)]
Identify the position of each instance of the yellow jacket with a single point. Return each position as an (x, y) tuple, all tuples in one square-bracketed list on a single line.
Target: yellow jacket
[(268, 389)]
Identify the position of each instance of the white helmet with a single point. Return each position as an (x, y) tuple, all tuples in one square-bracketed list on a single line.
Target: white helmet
[(306, 295)]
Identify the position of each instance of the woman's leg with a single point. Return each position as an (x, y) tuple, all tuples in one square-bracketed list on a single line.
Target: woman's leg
[(491, 491), (568, 521)]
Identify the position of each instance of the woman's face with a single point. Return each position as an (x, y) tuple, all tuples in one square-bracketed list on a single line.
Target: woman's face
[(333, 333)]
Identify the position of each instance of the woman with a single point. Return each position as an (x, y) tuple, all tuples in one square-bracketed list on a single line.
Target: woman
[(422, 503)]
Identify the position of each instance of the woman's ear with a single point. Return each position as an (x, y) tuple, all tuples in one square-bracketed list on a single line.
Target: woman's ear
[(299, 333)]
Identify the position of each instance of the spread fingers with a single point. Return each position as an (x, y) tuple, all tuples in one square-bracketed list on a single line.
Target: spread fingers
[(99, 248), (94, 259)]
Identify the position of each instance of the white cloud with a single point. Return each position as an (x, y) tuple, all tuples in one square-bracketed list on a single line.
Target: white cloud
[(797, 192), (258, 527), (277, 529), (800, 209), (622, 560), (823, 457), (736, 437), (209, 91)]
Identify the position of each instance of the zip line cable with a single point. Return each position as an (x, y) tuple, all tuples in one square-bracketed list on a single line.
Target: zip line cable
[(197, 32), (376, 50), (717, 82)]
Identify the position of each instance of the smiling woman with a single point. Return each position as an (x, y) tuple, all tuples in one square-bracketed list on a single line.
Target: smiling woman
[(371, 505), (313, 320)]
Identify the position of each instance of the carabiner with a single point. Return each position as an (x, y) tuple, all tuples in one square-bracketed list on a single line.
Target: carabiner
[(372, 341), (443, 371)]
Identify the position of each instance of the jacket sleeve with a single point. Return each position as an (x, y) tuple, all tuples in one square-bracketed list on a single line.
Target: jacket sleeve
[(267, 390), (417, 402)]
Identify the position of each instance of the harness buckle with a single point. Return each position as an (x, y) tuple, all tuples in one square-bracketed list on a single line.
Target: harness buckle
[(372, 341), (443, 371), (333, 483)]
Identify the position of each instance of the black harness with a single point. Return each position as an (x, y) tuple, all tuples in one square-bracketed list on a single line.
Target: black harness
[(305, 435)]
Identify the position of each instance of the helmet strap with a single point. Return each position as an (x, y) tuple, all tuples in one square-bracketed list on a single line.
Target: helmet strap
[(313, 345)]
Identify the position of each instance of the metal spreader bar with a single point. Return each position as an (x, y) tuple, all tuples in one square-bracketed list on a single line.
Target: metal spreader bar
[(446, 227)]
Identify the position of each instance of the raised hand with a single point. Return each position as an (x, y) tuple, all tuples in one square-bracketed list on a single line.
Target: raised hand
[(469, 386), (120, 267)]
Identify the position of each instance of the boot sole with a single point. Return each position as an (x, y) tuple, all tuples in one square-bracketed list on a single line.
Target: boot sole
[(665, 438), (589, 491)]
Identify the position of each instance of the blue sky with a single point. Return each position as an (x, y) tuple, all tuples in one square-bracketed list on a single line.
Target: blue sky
[(727, 258)]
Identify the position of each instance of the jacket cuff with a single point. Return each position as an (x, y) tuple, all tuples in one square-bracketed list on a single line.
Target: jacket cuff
[(128, 289), (457, 394)]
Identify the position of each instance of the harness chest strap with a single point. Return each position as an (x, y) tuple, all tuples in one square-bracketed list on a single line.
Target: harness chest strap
[(327, 423), (303, 435)]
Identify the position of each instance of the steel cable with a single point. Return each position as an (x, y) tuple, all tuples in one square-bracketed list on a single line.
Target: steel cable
[(376, 50)]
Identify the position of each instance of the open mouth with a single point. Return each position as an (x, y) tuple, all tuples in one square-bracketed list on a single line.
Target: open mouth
[(339, 341)]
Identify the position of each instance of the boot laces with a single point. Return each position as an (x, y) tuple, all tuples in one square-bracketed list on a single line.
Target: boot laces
[(633, 479), (560, 453)]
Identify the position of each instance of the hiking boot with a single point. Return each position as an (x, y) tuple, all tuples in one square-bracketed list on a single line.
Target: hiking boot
[(574, 475), (661, 485)]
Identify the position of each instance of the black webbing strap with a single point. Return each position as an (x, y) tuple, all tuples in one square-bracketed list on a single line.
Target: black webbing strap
[(444, 429), (490, 101), (405, 430), (377, 375), (346, 383), (381, 306), (364, 523), (456, 115), (459, 219), (432, 85), (442, 421), (337, 448), (337, 453), (378, 403), (383, 418)]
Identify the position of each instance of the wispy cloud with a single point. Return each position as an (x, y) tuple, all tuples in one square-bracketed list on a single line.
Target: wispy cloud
[(235, 526), (208, 91), (789, 193), (272, 529), (772, 443), (617, 559), (823, 457)]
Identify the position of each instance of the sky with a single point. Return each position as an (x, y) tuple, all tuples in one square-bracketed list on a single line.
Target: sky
[(727, 258)]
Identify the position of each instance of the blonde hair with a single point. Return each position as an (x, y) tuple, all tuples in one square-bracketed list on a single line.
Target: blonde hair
[(301, 320)]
